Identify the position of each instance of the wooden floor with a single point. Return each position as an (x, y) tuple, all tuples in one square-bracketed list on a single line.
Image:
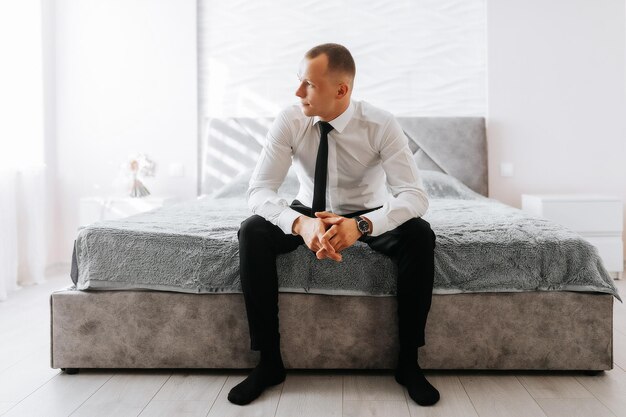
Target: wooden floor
[(29, 387)]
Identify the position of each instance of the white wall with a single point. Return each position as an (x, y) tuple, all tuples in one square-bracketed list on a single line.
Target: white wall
[(126, 82), (557, 97)]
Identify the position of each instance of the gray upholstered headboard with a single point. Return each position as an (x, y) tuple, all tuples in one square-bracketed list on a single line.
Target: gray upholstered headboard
[(454, 145)]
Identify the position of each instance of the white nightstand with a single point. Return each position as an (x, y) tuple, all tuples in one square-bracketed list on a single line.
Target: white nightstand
[(94, 209), (597, 218)]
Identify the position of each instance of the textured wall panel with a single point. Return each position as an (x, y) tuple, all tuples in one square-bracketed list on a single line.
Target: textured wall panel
[(424, 58)]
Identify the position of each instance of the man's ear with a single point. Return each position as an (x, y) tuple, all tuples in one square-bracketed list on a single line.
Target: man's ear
[(343, 90)]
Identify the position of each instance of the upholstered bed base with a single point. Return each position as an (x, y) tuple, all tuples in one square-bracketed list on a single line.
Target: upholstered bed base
[(152, 329)]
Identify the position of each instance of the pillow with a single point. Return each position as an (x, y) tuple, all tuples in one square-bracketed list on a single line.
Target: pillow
[(441, 185), (239, 185), (236, 188)]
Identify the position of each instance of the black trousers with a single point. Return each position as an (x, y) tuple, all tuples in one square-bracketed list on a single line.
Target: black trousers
[(411, 245)]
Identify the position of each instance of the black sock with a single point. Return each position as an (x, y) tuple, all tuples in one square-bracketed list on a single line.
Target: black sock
[(407, 358), (270, 371), (272, 358), (410, 375)]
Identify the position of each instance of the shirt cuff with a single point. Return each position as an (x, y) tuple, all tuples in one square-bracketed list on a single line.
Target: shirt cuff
[(380, 223), (286, 219)]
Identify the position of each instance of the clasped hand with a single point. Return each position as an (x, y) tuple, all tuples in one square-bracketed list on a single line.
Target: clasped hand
[(328, 234)]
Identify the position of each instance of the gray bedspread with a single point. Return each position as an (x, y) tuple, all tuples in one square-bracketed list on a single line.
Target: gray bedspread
[(482, 246)]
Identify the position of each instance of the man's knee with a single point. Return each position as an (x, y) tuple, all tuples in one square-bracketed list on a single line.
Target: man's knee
[(253, 226), (419, 231)]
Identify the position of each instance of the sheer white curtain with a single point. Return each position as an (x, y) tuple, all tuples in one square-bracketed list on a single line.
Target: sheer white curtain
[(22, 172)]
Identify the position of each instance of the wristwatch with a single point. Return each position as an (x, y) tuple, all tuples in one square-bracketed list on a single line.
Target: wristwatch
[(363, 225)]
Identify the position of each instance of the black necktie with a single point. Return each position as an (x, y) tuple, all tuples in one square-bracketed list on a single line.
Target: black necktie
[(321, 170)]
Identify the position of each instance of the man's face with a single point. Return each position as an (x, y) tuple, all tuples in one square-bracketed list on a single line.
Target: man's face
[(318, 89)]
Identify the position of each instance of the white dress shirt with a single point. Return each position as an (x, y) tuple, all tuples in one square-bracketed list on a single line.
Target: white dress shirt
[(367, 151)]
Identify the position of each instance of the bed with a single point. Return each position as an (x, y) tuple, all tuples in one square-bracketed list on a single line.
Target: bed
[(161, 289)]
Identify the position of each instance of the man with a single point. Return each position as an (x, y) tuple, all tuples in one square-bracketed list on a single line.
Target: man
[(345, 154)]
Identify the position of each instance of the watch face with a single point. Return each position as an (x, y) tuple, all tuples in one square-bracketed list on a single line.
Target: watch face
[(363, 226)]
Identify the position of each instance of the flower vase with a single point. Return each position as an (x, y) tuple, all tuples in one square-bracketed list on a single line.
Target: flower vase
[(138, 189)]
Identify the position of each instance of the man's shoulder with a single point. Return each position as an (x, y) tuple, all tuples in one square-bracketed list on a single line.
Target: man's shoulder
[(291, 112), (290, 119), (289, 124), (370, 113)]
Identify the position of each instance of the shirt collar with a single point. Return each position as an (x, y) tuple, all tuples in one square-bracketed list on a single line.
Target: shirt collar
[(340, 122)]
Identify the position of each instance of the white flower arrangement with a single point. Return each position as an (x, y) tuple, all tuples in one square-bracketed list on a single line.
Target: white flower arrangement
[(137, 166)]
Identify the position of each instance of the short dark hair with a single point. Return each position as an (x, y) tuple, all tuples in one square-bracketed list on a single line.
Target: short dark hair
[(339, 58)]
